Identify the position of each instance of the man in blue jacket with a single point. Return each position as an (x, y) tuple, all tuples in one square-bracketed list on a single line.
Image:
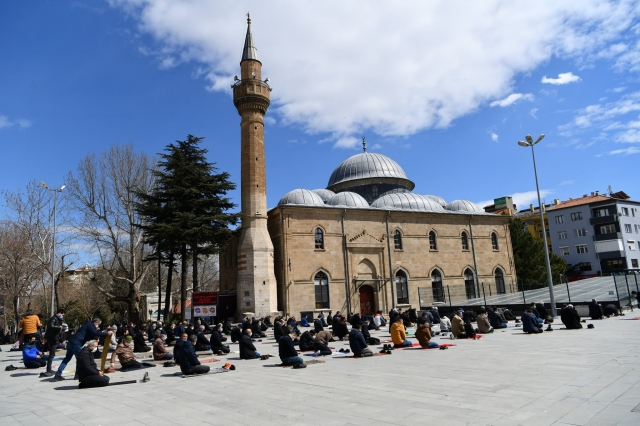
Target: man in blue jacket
[(31, 356), (189, 363), (495, 319), (530, 322), (357, 342), (288, 353), (88, 331)]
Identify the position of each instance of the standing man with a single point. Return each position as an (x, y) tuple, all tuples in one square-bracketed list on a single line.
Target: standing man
[(29, 324), (54, 326), (89, 330), (88, 373)]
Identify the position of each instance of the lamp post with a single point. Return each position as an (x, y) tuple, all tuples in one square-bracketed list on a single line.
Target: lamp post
[(530, 143), (53, 241)]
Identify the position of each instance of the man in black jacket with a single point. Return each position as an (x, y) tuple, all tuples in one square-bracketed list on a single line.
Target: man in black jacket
[(88, 373), (595, 310), (236, 333), (287, 352), (54, 326), (216, 341), (357, 342), (570, 318), (226, 328), (278, 331), (140, 342), (247, 349), (171, 337), (202, 343), (495, 320), (189, 363), (306, 340)]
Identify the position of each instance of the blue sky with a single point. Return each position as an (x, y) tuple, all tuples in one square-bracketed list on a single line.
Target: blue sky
[(446, 89)]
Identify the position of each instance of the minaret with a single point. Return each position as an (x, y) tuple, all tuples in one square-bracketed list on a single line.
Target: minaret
[(256, 288)]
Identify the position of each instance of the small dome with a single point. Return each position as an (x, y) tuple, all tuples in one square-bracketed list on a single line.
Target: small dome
[(348, 199), (407, 201), (463, 206), (325, 194), (367, 166), (301, 197), (437, 199)]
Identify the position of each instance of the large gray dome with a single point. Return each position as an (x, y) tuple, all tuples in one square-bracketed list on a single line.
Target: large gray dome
[(463, 206), (365, 168), (325, 194), (437, 199), (407, 201), (301, 197), (348, 199)]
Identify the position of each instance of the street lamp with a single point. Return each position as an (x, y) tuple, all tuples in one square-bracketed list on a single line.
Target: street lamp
[(53, 240), (530, 143)]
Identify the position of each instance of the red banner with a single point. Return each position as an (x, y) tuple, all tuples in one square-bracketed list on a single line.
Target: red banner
[(208, 298)]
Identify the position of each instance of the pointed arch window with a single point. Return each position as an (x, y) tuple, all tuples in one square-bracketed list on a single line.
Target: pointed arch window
[(499, 276), (465, 241), (397, 240), (319, 236), (433, 242), (494, 241), (321, 284), (402, 288), (469, 284), (436, 286)]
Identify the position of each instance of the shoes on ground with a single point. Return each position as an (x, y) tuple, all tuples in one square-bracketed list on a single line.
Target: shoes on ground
[(145, 378), (299, 365), (58, 378)]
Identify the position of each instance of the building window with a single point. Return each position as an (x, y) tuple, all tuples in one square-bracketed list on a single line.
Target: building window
[(636, 228), (321, 282), (585, 266), (469, 284), (601, 212), (625, 211), (562, 235), (397, 240), (607, 229), (433, 243), (436, 286), (465, 241), (576, 216), (627, 228), (632, 245), (582, 248), (494, 241), (634, 263), (402, 288), (613, 264), (564, 251), (319, 238), (500, 287), (580, 232), (560, 219), (374, 191)]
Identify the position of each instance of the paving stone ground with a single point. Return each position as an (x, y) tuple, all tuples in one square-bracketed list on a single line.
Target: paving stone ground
[(567, 377)]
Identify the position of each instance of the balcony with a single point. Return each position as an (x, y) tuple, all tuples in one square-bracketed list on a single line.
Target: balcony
[(611, 236), (610, 255), (604, 219)]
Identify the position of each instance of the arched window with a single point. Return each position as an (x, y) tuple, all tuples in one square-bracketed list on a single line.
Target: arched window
[(469, 284), (433, 243), (319, 238), (397, 240), (436, 286), (499, 276), (494, 241), (402, 288), (374, 191), (321, 282), (465, 241)]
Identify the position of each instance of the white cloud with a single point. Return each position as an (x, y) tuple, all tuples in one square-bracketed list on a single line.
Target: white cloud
[(563, 78), (626, 151), (512, 99), (567, 182), (21, 122), (394, 67), (532, 113), (494, 137), (521, 199)]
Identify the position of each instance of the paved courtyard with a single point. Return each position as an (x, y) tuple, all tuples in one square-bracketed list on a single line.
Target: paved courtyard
[(580, 377)]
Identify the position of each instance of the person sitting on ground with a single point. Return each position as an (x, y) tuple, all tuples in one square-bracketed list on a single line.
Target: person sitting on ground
[(530, 322), (189, 363), (469, 331), (495, 320), (160, 352), (226, 327), (202, 343), (423, 334), (543, 311), (336, 318), (306, 340), (445, 324), (377, 320), (469, 314), (86, 369), (637, 296), (278, 331), (304, 322), (151, 332), (140, 342), (340, 329), (256, 329), (321, 343), (293, 326), (355, 319), (413, 316), (435, 315), (484, 326), (323, 320), (170, 332), (457, 325), (191, 331), (398, 334), (595, 310), (125, 355), (405, 319), (287, 352), (216, 340), (247, 349), (317, 325), (236, 333), (358, 343), (267, 321), (539, 317), (426, 315), (329, 319), (570, 318), (611, 310), (31, 356)]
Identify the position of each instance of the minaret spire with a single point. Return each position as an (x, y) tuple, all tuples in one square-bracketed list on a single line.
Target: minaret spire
[(364, 145), (250, 51)]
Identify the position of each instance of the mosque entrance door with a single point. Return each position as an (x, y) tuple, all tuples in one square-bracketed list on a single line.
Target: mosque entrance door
[(366, 300)]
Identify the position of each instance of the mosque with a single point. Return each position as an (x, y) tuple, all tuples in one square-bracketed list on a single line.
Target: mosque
[(364, 243)]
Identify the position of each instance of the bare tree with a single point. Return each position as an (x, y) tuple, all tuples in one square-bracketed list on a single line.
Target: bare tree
[(103, 192)]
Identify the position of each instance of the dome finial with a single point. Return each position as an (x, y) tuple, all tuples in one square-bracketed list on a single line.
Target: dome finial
[(248, 19), (364, 145)]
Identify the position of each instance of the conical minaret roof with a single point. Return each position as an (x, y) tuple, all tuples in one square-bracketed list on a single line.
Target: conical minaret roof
[(250, 51)]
